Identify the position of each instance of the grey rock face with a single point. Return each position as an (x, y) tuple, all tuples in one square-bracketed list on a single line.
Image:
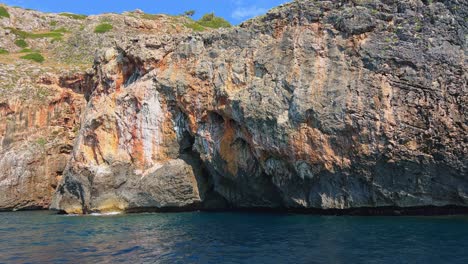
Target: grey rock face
[(317, 104)]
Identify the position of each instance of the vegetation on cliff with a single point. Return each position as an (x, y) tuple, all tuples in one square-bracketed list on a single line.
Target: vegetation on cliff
[(103, 28), (37, 57), (208, 21), (4, 12)]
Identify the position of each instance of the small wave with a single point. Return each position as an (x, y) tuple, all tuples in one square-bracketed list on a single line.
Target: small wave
[(104, 214)]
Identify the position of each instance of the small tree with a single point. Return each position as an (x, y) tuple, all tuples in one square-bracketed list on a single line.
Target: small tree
[(189, 13)]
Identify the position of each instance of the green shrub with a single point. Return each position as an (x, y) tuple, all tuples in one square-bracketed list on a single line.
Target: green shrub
[(74, 16), (208, 21), (3, 51), (195, 26), (189, 13), (46, 35), (212, 21), (26, 50), (37, 57), (21, 43), (41, 142), (4, 12), (24, 34), (103, 28), (53, 23)]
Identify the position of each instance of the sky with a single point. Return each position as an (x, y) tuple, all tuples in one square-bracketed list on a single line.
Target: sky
[(235, 11)]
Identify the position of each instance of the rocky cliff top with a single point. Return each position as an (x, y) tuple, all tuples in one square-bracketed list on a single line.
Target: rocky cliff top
[(66, 42)]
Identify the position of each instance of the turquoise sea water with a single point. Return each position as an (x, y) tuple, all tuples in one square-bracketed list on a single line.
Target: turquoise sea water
[(198, 237)]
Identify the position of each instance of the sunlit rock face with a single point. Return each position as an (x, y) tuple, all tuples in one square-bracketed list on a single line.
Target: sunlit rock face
[(133, 151), (36, 139), (41, 103), (318, 104)]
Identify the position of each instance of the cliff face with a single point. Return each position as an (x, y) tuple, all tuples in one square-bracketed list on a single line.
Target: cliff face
[(41, 103), (317, 104), (36, 136)]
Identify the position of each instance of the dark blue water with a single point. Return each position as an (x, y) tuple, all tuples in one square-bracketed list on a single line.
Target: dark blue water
[(42, 237)]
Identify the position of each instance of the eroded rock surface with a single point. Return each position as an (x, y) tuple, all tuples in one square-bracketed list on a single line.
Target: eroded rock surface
[(36, 136), (41, 103), (317, 104)]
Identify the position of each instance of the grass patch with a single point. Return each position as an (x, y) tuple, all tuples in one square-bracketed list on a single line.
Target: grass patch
[(21, 43), (4, 12), (74, 16), (103, 28), (37, 57), (26, 50), (3, 51), (41, 142), (150, 16), (25, 35), (53, 23), (208, 21), (195, 26), (60, 30)]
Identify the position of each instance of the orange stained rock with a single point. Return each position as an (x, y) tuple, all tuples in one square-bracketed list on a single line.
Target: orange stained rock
[(225, 148), (279, 29), (311, 145), (316, 28), (119, 80), (357, 41), (42, 115)]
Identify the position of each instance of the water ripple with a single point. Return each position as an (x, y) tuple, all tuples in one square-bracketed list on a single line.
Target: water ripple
[(42, 237)]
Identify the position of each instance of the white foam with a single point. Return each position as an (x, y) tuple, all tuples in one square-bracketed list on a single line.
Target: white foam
[(104, 214)]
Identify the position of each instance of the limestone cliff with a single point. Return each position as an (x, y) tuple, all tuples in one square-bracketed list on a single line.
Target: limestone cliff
[(41, 101), (317, 104)]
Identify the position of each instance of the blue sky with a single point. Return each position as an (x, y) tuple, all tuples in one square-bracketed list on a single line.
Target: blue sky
[(235, 11)]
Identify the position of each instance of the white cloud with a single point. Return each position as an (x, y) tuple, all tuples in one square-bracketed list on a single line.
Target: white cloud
[(247, 12)]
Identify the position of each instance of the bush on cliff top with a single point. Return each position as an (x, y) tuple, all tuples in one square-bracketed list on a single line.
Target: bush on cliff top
[(212, 21), (37, 57), (4, 12), (208, 21), (103, 28)]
